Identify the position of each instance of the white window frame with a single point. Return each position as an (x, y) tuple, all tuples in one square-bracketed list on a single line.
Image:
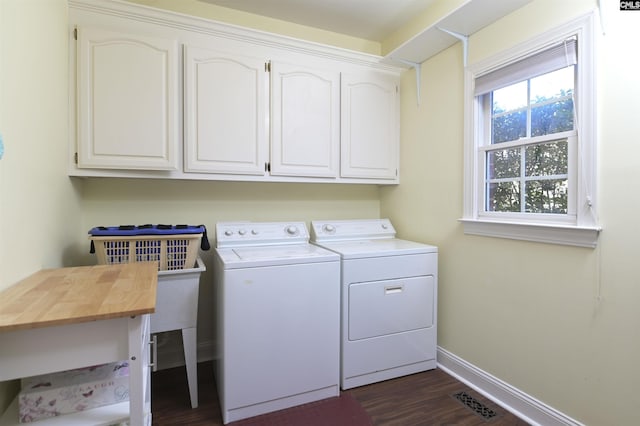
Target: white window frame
[(581, 229)]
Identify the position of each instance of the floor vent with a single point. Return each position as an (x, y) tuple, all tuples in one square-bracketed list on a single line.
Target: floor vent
[(478, 407)]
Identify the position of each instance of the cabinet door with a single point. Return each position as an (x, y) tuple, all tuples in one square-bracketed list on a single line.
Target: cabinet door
[(370, 126), (127, 101), (305, 121), (225, 103)]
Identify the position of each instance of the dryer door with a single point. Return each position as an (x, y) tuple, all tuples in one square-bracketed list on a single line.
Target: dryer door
[(379, 308)]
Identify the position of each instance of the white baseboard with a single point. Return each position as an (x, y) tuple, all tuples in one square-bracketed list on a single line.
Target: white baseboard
[(508, 397)]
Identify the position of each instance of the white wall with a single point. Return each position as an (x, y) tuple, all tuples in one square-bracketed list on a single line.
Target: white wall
[(528, 313), (39, 205)]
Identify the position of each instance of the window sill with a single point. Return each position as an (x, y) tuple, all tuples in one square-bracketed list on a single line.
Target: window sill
[(580, 236)]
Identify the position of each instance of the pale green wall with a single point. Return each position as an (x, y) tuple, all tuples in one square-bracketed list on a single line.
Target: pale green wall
[(540, 329), (529, 313), (120, 201), (39, 205), (113, 201), (45, 215)]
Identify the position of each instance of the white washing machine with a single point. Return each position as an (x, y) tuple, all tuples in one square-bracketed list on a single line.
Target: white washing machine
[(389, 300), (278, 318)]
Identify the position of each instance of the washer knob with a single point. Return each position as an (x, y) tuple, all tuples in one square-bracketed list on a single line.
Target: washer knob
[(242, 231), (292, 230), (228, 233), (384, 226), (254, 232), (330, 229)]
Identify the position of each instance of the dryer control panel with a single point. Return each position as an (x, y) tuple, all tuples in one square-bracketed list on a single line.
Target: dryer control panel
[(337, 230), (231, 234)]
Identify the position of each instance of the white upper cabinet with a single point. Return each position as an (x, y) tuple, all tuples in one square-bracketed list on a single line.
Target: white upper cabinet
[(127, 101), (225, 102), (163, 95), (228, 118), (370, 126), (305, 121)]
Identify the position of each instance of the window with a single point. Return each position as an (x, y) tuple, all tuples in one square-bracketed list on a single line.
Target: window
[(530, 140), (529, 126)]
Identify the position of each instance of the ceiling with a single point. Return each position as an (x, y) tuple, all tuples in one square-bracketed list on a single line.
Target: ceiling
[(368, 19)]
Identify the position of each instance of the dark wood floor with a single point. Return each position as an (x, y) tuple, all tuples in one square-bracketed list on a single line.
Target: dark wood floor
[(420, 399)]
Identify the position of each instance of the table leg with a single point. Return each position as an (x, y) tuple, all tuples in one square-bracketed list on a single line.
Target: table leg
[(190, 360)]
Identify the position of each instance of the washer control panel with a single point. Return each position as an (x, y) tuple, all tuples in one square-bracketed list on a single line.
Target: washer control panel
[(323, 230), (260, 233)]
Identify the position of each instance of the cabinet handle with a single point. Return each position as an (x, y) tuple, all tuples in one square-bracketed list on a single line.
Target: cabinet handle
[(154, 352)]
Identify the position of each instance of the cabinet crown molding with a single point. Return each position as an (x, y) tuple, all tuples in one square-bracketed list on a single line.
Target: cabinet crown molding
[(211, 27)]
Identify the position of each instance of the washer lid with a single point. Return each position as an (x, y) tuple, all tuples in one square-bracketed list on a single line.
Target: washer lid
[(365, 248), (274, 255)]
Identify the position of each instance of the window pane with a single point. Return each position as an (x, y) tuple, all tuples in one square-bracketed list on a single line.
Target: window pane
[(503, 196), (540, 106), (552, 85), (546, 196), (552, 118), (510, 97), (509, 127), (504, 163), (547, 159)]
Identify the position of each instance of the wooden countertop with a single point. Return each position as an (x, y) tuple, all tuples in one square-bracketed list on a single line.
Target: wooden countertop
[(79, 294)]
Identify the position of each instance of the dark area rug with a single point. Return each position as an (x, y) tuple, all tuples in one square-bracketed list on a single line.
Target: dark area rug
[(343, 410)]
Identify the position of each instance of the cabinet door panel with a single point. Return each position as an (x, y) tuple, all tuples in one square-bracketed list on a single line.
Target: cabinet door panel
[(127, 104), (305, 120), (225, 113), (370, 130)]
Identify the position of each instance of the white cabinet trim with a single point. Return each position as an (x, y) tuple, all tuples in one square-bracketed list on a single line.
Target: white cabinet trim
[(175, 20)]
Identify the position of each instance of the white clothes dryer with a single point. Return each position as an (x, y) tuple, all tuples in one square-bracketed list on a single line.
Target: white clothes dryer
[(278, 318), (389, 300)]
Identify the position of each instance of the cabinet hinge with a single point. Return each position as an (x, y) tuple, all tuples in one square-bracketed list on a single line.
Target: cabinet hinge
[(75, 33), (75, 158), (267, 66), (267, 167)]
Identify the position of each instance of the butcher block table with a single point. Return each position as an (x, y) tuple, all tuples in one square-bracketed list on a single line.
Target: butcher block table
[(66, 318)]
